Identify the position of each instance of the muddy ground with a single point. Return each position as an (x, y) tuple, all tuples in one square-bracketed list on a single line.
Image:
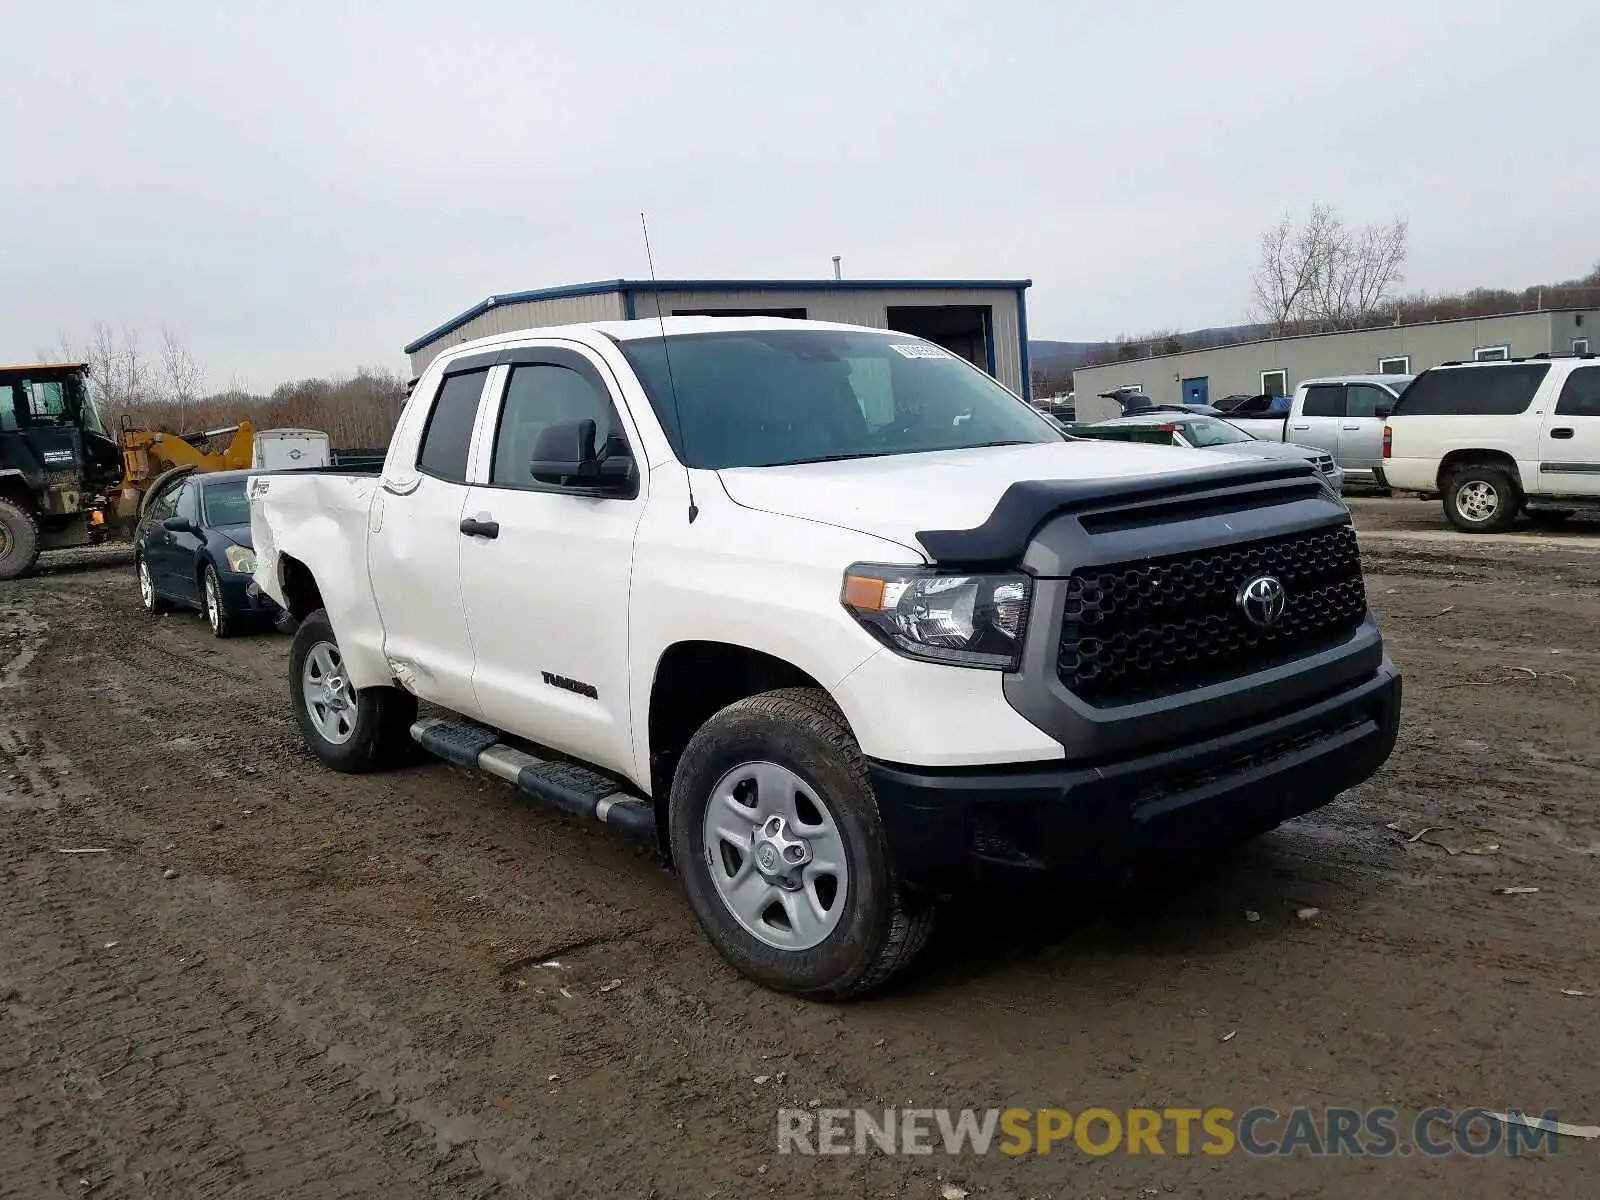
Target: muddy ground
[(342, 990)]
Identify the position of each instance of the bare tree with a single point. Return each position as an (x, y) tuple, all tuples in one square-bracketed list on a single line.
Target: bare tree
[(182, 376), (1323, 276)]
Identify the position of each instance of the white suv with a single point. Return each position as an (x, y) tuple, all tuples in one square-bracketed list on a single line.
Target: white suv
[(1493, 438)]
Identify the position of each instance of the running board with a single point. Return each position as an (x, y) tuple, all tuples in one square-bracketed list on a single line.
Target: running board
[(565, 785)]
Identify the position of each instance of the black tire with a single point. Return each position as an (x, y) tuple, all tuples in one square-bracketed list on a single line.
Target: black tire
[(19, 540), (152, 601), (802, 731), (380, 736), (1460, 484), (221, 622)]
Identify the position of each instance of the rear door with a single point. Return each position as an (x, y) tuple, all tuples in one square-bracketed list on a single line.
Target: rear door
[(1318, 412), (1569, 451), (1361, 429), (414, 551), (156, 542)]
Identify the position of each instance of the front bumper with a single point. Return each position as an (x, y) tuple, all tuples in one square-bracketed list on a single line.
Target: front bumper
[(952, 829), (241, 595)]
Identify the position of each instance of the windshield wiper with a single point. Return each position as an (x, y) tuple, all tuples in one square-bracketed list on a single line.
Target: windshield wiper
[(795, 462)]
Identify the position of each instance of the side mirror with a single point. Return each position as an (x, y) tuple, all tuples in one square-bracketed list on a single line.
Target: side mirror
[(564, 454), (178, 525), (1382, 411)]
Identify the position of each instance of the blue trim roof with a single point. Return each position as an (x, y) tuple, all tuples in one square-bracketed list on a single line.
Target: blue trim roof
[(630, 286)]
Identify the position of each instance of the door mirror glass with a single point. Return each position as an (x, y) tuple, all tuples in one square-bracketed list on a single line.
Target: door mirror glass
[(178, 525)]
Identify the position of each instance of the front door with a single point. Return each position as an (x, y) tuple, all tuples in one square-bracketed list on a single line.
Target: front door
[(545, 581), (1316, 420), (414, 553), (1569, 451), (1361, 430), (1197, 391)]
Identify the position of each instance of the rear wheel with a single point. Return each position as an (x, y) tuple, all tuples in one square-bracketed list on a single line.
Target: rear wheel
[(350, 730), (19, 540), (1480, 498), (148, 596), (777, 840)]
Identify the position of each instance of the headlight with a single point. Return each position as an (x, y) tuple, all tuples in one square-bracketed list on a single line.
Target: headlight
[(963, 620), (241, 559)]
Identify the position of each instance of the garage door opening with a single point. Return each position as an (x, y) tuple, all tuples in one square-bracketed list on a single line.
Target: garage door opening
[(963, 329)]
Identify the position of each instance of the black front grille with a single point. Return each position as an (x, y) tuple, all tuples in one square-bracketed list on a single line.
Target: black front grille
[(1159, 625)]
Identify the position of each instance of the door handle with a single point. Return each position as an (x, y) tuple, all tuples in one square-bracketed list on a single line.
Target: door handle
[(483, 529), (1351, 428), (1562, 433), (1300, 428)]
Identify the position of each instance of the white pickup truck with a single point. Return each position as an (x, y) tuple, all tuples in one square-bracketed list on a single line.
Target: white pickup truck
[(833, 618), (1340, 414)]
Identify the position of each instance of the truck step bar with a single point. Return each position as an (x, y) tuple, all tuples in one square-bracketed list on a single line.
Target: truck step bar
[(567, 786)]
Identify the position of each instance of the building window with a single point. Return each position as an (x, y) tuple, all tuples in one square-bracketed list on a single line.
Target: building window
[(1580, 345), (1137, 387), (1395, 366), (1274, 383), (1492, 353)]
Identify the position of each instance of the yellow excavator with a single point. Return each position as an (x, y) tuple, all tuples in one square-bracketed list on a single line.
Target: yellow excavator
[(148, 455)]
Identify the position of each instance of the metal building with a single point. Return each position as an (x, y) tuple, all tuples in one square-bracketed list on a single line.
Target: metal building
[(1276, 365), (984, 321)]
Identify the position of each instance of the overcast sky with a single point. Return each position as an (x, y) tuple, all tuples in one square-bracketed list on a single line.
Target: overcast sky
[(298, 188)]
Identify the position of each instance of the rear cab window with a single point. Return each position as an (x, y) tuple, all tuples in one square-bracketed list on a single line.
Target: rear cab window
[(1472, 391), (447, 437)]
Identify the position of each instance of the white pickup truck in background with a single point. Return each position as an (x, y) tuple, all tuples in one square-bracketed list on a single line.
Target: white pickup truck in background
[(1341, 414), (831, 617)]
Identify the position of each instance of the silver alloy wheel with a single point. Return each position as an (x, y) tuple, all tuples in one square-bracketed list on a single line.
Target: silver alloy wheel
[(147, 587), (1477, 500), (329, 699), (213, 602), (776, 856)]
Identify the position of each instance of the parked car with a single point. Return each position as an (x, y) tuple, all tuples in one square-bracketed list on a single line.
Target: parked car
[(832, 618), (1213, 433), (1337, 414), (192, 549), (1496, 438)]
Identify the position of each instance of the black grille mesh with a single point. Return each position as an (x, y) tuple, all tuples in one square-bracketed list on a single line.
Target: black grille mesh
[(1166, 624)]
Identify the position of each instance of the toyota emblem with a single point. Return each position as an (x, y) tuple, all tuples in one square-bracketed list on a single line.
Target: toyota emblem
[(1262, 600)]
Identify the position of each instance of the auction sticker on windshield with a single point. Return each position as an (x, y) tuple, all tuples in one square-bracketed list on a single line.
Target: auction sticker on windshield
[(920, 350)]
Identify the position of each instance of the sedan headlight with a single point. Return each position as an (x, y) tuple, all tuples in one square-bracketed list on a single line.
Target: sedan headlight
[(961, 620), (241, 559)]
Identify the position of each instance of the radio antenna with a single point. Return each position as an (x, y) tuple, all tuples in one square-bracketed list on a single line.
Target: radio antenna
[(672, 384)]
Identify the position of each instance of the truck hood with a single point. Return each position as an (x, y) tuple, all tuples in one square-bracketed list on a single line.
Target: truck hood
[(896, 496)]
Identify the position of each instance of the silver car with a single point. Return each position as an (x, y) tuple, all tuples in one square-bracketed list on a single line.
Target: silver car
[(1201, 432)]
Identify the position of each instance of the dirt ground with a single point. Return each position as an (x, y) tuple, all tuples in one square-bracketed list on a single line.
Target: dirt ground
[(348, 986)]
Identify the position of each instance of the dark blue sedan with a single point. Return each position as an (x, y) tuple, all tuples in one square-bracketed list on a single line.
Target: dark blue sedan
[(192, 550)]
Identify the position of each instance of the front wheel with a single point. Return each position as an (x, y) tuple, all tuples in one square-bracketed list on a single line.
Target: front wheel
[(350, 730), (777, 839), (19, 541), (1479, 498), (221, 621)]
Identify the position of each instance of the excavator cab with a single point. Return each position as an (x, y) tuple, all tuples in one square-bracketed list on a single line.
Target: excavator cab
[(57, 462)]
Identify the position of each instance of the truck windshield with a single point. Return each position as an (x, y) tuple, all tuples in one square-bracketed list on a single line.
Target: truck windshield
[(763, 398)]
